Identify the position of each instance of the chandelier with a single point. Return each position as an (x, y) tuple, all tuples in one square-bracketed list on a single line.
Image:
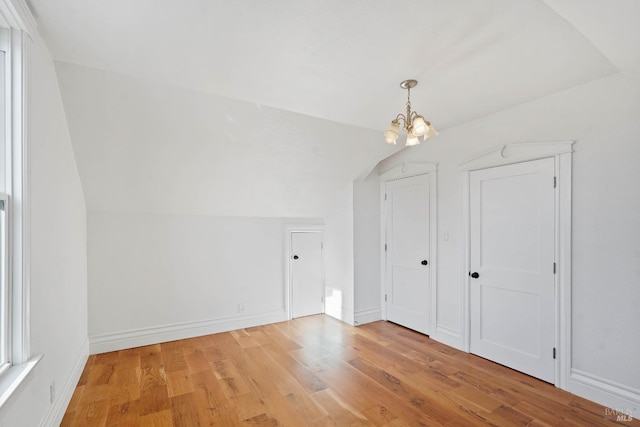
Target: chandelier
[(413, 123)]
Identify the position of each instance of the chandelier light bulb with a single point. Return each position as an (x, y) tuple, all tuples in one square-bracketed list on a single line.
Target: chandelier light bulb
[(412, 140), (420, 127), (392, 133), (432, 132)]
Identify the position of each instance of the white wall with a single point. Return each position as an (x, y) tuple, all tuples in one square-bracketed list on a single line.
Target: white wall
[(339, 256), (58, 257), (366, 228), (171, 176), (158, 277), (602, 117)]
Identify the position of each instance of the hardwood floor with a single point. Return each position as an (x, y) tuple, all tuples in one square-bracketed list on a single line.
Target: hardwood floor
[(316, 371)]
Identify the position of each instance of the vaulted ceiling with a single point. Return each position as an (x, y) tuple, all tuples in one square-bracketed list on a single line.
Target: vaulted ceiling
[(324, 74)]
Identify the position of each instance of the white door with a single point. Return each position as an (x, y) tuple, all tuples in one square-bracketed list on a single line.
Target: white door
[(306, 273), (408, 293), (512, 266)]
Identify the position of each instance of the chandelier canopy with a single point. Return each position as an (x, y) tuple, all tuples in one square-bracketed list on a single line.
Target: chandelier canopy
[(414, 124)]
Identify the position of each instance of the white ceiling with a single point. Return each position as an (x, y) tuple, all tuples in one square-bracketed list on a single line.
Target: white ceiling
[(336, 60), (342, 60)]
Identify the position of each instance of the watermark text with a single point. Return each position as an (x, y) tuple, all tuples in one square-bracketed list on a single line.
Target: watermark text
[(618, 414)]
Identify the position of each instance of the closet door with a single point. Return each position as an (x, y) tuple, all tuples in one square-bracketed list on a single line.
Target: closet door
[(512, 295), (306, 273), (408, 223)]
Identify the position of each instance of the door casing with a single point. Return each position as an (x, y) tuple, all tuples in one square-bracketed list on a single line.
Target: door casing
[(507, 154)]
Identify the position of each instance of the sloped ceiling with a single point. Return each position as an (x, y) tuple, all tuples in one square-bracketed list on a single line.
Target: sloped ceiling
[(324, 63), (148, 147)]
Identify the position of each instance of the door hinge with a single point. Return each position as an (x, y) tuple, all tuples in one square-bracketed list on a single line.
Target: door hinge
[(321, 245), (385, 297), (554, 352), (322, 299), (555, 181), (554, 268), (385, 247), (385, 196)]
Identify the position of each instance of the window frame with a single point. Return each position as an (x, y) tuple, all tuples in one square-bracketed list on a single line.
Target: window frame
[(6, 354), (14, 42), (5, 288)]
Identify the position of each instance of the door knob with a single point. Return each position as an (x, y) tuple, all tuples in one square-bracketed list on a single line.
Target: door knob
[(295, 257), (475, 275), (424, 262)]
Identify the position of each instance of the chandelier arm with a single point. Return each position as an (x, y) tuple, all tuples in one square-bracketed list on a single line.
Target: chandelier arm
[(401, 117)]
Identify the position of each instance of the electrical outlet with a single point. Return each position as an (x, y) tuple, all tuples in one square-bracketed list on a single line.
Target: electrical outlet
[(52, 391), (240, 308)]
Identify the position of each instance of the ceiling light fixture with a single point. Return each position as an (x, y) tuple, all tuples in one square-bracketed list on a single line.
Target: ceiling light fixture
[(415, 125)]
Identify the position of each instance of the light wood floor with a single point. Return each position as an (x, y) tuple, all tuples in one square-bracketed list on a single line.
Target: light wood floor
[(316, 371)]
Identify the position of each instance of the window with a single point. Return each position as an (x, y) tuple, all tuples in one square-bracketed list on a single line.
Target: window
[(15, 359)]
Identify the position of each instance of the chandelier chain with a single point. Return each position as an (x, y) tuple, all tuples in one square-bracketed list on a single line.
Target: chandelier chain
[(407, 119)]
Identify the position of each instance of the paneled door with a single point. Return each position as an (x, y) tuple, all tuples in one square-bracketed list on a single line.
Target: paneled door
[(512, 260), (307, 292), (408, 279)]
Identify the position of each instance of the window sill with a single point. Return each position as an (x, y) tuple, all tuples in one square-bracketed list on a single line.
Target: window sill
[(14, 376)]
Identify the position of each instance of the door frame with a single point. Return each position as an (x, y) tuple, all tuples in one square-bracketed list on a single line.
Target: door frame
[(561, 152), (408, 170), (288, 294)]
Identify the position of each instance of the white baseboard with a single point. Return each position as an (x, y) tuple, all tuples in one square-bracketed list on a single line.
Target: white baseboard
[(145, 336), (618, 397), (448, 336), (367, 316), (345, 315), (56, 411)]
